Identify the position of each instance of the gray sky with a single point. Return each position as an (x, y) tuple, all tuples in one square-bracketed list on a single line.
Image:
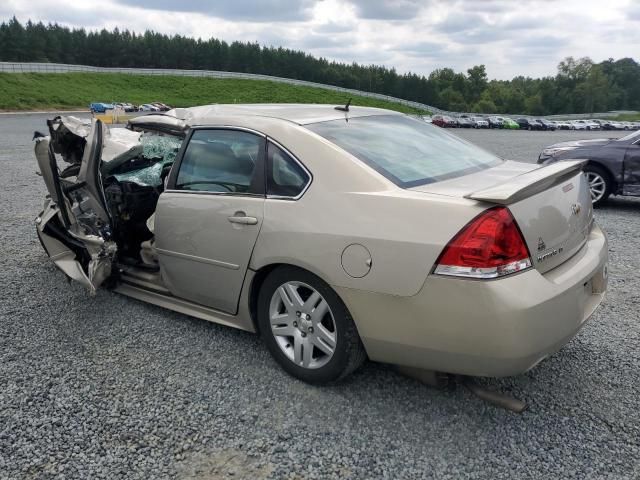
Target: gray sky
[(511, 37)]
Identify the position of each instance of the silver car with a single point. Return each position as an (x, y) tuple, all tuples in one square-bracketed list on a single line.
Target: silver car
[(338, 234)]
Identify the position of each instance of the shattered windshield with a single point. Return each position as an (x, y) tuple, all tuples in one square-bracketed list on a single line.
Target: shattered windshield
[(157, 152)]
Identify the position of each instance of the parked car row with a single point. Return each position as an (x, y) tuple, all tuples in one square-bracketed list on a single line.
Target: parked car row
[(102, 107), (154, 107), (468, 121), (612, 125)]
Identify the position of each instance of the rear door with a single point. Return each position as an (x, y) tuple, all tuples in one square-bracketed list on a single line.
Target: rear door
[(208, 219)]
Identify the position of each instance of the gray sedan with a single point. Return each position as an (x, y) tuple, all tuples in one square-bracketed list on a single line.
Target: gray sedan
[(613, 168)]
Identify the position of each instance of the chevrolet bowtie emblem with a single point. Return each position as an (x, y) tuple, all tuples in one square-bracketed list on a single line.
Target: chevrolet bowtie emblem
[(575, 208)]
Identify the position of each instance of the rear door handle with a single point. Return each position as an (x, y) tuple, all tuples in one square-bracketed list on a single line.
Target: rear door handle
[(241, 219)]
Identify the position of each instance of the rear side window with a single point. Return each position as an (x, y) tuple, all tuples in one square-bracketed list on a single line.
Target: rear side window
[(285, 176), (406, 151), (222, 161)]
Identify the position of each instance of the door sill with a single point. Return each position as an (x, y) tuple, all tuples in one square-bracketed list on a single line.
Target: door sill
[(164, 299)]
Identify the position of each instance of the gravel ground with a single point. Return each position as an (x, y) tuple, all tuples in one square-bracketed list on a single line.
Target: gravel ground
[(108, 387)]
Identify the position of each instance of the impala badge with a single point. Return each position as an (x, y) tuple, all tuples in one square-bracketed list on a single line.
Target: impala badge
[(575, 208), (541, 245)]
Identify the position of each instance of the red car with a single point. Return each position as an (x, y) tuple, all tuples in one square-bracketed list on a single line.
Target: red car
[(444, 121)]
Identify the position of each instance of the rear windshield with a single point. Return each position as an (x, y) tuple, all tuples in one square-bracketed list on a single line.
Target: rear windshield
[(406, 151)]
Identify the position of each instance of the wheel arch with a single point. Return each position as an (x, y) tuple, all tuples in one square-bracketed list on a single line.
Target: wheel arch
[(260, 276), (607, 170)]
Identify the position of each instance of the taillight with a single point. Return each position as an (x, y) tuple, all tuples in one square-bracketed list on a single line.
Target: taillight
[(490, 246)]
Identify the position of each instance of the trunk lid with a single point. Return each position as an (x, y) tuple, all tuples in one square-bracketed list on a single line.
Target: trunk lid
[(551, 204)]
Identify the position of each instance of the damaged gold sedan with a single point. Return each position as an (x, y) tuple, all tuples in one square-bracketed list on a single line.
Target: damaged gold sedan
[(336, 233)]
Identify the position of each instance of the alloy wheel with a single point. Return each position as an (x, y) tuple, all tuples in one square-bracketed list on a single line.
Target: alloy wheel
[(597, 186), (303, 325)]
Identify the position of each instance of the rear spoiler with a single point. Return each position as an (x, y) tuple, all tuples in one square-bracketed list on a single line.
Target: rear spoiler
[(529, 183)]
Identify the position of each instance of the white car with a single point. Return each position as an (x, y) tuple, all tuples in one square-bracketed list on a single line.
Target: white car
[(563, 125), (585, 125), (479, 122), (147, 107), (579, 125)]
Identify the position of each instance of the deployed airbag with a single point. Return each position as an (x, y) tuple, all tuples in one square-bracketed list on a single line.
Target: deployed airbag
[(120, 145)]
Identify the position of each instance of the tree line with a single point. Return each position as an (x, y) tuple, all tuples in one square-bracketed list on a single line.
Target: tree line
[(579, 86)]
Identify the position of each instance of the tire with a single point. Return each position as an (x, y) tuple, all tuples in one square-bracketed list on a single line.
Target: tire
[(308, 333), (598, 176)]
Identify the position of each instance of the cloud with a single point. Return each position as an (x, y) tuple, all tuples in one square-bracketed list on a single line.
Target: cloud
[(485, 6), (424, 49), (334, 27), (387, 9), (260, 11), (521, 23), (464, 22), (539, 42), (470, 28), (313, 40)]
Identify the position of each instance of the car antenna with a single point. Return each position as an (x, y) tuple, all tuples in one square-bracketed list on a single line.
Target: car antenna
[(345, 108)]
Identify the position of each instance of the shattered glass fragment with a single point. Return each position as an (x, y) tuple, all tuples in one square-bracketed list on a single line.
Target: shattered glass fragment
[(153, 146)]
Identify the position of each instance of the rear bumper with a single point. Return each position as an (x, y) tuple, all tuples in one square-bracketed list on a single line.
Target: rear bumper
[(484, 328)]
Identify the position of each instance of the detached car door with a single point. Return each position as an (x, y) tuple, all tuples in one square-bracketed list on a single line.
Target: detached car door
[(208, 219), (75, 224)]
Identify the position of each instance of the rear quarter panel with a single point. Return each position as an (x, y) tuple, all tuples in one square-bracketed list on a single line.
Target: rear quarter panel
[(349, 203)]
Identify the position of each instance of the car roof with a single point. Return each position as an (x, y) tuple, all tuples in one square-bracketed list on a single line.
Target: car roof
[(301, 114)]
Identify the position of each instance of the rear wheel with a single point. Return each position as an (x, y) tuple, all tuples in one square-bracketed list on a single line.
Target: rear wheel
[(307, 328), (599, 184)]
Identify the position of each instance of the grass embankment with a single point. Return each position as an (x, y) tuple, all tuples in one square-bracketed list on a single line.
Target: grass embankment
[(65, 91), (627, 117)]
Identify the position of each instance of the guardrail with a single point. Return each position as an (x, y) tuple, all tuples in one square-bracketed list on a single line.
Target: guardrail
[(18, 67)]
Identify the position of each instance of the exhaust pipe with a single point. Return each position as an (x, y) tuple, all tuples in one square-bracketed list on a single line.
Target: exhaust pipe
[(443, 380), (495, 398), (428, 377)]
